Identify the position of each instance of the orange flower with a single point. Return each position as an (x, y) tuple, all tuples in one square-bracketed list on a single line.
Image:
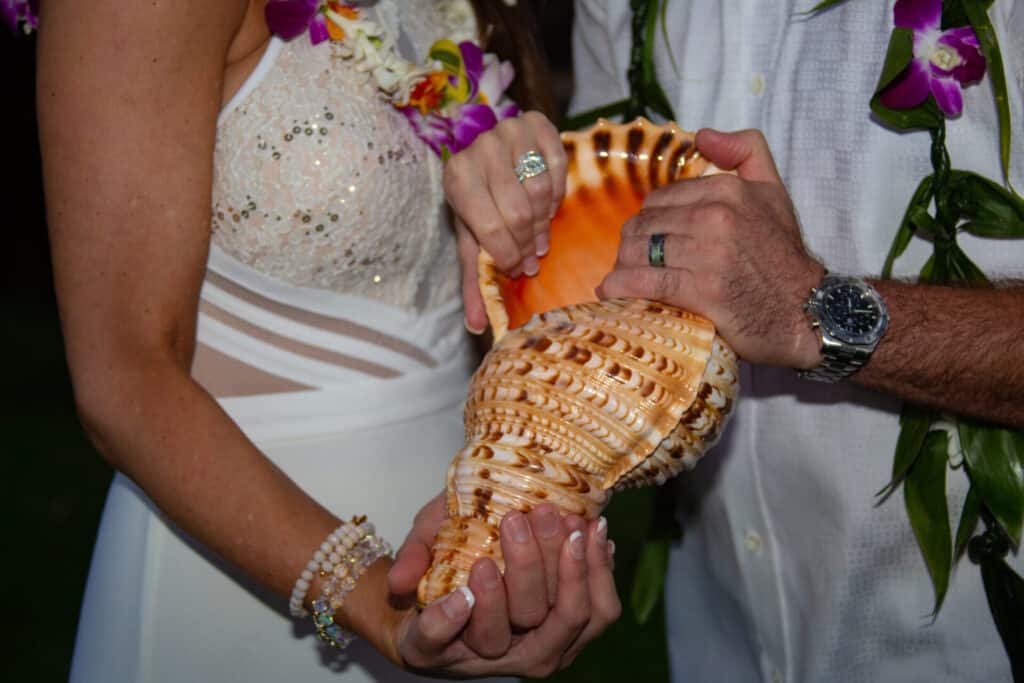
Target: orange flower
[(429, 93), (347, 11)]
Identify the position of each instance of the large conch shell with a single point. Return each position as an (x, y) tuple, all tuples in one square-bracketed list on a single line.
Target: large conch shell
[(579, 398)]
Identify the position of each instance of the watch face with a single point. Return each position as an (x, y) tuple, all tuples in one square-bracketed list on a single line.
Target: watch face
[(852, 313)]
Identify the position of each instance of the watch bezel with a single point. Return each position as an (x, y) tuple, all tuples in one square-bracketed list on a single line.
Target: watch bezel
[(834, 328)]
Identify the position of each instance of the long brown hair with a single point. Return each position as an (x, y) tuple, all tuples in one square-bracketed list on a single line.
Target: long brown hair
[(511, 33)]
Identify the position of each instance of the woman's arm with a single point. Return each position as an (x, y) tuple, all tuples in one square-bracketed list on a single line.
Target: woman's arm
[(129, 95)]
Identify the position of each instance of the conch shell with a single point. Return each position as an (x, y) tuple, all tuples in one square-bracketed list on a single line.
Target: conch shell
[(582, 397)]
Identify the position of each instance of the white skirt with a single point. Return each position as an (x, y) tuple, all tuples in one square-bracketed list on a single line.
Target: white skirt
[(159, 608)]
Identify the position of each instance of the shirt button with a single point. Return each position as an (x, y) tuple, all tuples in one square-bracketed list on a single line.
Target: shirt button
[(757, 85), (752, 542)]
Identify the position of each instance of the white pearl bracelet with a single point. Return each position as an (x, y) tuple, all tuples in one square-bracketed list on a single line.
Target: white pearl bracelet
[(330, 554)]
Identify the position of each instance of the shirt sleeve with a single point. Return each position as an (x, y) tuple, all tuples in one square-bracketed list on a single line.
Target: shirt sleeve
[(600, 52)]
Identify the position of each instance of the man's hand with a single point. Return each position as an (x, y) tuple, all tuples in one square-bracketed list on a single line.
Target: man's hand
[(733, 253), (557, 595)]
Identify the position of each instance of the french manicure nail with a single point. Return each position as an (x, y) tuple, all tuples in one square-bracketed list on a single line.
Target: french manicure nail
[(455, 607), (465, 321), (542, 244), (576, 547), (531, 266), (516, 527), (602, 529)]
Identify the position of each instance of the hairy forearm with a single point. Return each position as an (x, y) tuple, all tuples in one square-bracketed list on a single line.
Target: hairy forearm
[(155, 424), (959, 350)]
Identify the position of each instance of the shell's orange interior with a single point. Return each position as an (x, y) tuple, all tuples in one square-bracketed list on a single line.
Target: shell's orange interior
[(584, 244)]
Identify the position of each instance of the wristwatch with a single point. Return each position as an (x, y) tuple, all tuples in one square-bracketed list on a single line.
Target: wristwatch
[(851, 318)]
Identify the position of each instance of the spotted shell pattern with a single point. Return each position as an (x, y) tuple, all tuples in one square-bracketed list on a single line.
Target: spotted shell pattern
[(581, 400)]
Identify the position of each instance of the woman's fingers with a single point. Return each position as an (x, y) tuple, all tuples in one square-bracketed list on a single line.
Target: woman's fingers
[(429, 634), (549, 144), (467, 189), (525, 580), (508, 217), (472, 301), (488, 633), (550, 533), (605, 607)]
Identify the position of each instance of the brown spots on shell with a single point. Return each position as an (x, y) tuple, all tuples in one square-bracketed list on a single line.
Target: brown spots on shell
[(602, 338), (678, 161), (657, 154), (484, 473), (637, 352), (578, 355), (647, 388), (611, 186), (537, 343), (523, 368), (483, 452), (614, 370), (540, 493)]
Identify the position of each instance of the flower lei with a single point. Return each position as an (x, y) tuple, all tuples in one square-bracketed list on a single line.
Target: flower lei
[(449, 100), (20, 13), (935, 49)]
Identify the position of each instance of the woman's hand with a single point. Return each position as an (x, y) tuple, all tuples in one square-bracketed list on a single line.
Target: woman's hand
[(557, 595), (496, 212)]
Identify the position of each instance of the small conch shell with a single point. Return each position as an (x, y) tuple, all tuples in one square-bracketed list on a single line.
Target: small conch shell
[(581, 397)]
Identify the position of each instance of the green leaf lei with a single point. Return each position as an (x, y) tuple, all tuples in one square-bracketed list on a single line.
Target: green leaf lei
[(947, 202)]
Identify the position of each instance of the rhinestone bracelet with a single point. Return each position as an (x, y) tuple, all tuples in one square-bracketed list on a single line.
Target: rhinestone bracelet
[(330, 553), (344, 578)]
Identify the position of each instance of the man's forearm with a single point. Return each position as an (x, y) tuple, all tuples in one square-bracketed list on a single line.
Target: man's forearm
[(960, 350)]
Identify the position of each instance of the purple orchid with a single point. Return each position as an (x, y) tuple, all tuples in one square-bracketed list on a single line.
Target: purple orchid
[(288, 19), (24, 12), (944, 61), (456, 125)]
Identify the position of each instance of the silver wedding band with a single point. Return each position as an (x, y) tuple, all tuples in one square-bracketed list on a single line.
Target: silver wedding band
[(656, 250), (530, 165)]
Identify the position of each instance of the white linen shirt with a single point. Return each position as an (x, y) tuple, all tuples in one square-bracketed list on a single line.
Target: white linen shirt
[(790, 569)]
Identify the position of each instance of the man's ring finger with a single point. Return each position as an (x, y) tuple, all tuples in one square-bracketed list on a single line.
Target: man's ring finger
[(530, 165), (656, 250)]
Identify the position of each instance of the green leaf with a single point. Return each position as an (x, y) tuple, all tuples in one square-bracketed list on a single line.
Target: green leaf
[(920, 200), (968, 522), (924, 492), (925, 115), (649, 579), (824, 4), (991, 210), (665, 38), (915, 422), (1005, 592), (590, 117), (995, 462), (897, 57), (977, 12), (964, 270)]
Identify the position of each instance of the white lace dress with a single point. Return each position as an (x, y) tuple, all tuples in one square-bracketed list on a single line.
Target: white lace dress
[(330, 329)]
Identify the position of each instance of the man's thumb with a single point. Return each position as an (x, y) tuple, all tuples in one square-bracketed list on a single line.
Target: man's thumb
[(745, 152)]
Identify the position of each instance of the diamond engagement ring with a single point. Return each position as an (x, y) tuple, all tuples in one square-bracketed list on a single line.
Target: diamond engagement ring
[(656, 250), (530, 165)]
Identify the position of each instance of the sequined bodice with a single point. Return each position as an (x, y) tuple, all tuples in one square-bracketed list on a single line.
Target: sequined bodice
[(321, 183)]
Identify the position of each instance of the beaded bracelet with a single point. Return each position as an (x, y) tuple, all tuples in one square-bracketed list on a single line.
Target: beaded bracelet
[(343, 580), (330, 553)]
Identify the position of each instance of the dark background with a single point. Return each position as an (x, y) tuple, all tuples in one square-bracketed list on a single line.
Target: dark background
[(55, 483)]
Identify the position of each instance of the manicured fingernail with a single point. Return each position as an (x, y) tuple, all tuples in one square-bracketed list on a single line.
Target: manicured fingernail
[(472, 330), (457, 607), (611, 548), (542, 244), (546, 522), (602, 529), (516, 527), (576, 547), (487, 575), (531, 266)]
